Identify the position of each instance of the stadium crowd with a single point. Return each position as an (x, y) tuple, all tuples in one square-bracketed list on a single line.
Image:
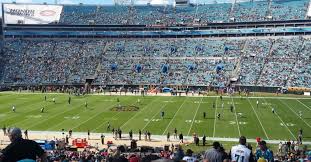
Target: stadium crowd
[(271, 61), (25, 149), (193, 13)]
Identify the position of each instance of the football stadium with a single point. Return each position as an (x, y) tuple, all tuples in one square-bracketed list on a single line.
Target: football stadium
[(168, 80)]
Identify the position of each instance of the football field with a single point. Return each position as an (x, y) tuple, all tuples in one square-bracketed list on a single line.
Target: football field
[(183, 113)]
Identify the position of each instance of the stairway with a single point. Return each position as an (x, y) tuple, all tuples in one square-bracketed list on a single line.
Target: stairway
[(99, 67), (295, 64), (266, 61)]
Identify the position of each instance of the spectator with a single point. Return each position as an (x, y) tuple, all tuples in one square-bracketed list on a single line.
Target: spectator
[(214, 154), (21, 149), (133, 158), (178, 154), (264, 153), (241, 153), (280, 146), (188, 157)]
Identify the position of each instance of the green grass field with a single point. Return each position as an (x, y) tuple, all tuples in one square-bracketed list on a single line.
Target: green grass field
[(183, 113)]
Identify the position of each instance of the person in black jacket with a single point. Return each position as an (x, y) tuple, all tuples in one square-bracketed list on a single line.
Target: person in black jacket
[(139, 134), (204, 140), (181, 138), (20, 148)]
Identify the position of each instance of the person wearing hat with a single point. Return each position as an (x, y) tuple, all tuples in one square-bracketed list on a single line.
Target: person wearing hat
[(261, 160), (263, 152), (240, 152), (188, 157), (21, 149), (214, 154)]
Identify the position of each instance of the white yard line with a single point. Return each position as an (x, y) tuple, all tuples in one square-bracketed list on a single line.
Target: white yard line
[(258, 120), (156, 114), (30, 110), (60, 123), (194, 116), (285, 125), (296, 113), (55, 126), (94, 116), (49, 117), (174, 117), (105, 121), (139, 112), (236, 117), (69, 109), (22, 108), (304, 104), (214, 131), (282, 121)]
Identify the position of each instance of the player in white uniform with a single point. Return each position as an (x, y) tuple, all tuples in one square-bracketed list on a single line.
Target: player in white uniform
[(257, 103), (240, 153), (13, 108), (42, 109), (273, 110), (138, 101)]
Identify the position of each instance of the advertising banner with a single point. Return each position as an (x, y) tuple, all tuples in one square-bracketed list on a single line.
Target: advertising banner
[(31, 14)]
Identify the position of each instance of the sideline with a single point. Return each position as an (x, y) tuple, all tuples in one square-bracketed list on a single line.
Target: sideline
[(155, 138)]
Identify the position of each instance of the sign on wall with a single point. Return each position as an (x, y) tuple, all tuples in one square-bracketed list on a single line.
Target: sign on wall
[(31, 14)]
